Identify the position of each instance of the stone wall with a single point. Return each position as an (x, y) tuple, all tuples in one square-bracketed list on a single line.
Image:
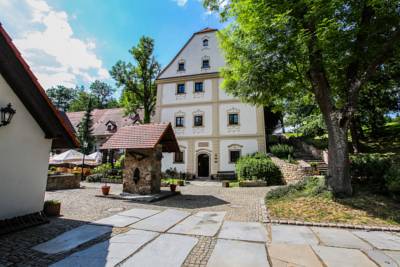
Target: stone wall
[(291, 172), (148, 164), (63, 181)]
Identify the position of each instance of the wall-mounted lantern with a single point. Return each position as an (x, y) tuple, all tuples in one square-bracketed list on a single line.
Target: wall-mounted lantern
[(6, 115)]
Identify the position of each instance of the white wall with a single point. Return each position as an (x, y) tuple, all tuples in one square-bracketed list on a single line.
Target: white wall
[(168, 115), (247, 119), (168, 159), (23, 160), (193, 53), (169, 95), (249, 146)]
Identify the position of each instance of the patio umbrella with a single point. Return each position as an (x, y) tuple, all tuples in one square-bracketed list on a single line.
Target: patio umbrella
[(70, 156), (95, 157)]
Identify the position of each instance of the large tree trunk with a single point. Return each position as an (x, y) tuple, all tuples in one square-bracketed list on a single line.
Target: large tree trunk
[(338, 178)]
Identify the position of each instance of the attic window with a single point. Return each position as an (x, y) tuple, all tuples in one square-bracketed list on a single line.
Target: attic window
[(205, 42), (181, 66), (111, 126), (205, 64)]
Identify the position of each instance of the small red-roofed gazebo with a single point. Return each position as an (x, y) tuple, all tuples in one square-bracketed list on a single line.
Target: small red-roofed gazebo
[(143, 145)]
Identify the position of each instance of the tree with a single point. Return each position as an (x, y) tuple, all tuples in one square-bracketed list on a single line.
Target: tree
[(61, 96), (332, 49), (138, 81), (85, 130), (103, 92)]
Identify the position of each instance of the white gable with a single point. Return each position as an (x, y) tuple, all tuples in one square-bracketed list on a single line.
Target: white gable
[(193, 55)]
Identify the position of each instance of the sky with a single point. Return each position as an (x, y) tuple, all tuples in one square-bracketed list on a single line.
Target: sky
[(74, 42)]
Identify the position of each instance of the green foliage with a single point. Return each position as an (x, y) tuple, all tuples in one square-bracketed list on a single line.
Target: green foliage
[(94, 178), (282, 151), (372, 166), (85, 130), (138, 81), (310, 186), (258, 168), (61, 96), (102, 169), (103, 93), (392, 179), (169, 181), (120, 162)]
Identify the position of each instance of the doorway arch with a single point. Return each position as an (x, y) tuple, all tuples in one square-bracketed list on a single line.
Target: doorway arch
[(203, 165)]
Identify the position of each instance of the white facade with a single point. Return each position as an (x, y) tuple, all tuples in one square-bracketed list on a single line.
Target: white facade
[(23, 161), (179, 102)]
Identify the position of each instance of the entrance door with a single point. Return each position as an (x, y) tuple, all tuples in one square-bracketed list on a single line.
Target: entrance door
[(203, 165)]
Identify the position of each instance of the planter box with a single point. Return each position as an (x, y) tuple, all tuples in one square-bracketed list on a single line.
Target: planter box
[(111, 181), (252, 183), (63, 181)]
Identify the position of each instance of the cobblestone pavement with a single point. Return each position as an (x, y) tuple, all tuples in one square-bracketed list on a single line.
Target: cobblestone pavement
[(80, 206)]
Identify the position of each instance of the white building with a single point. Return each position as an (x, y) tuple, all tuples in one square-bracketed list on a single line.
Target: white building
[(213, 129), (26, 141)]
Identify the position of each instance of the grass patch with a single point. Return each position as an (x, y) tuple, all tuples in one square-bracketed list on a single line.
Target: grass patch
[(234, 184), (310, 201)]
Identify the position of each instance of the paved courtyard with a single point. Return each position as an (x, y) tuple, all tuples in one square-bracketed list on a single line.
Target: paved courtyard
[(210, 232)]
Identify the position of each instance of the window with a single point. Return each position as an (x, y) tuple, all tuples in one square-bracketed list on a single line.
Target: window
[(198, 120), (206, 64), (181, 66), (179, 121), (234, 155), (178, 157), (198, 87), (180, 89), (205, 42), (233, 119)]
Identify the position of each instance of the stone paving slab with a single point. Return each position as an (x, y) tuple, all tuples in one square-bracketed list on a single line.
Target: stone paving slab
[(332, 237), (202, 223), (168, 250), (334, 257), (233, 253), (110, 252), (139, 213), (292, 234), (117, 221), (246, 231), (162, 221), (395, 255), (380, 240), (73, 238), (381, 258), (285, 255)]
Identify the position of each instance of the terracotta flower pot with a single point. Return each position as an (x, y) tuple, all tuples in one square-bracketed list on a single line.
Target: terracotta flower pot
[(52, 208), (172, 187), (105, 189)]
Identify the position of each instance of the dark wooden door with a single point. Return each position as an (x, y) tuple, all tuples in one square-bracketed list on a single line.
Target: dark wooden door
[(203, 167)]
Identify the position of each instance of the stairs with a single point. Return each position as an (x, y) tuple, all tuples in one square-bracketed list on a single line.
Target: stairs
[(318, 166)]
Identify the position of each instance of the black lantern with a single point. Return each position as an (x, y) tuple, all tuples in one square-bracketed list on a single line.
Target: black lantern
[(6, 115)]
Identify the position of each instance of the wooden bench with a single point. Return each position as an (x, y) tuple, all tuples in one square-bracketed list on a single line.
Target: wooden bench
[(226, 175)]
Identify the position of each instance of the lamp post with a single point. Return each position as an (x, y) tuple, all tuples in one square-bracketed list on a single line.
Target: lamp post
[(85, 145), (6, 115)]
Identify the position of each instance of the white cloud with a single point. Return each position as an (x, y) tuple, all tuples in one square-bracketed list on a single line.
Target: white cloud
[(48, 43), (181, 2)]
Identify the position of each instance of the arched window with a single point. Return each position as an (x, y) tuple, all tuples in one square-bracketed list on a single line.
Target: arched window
[(136, 175), (205, 42)]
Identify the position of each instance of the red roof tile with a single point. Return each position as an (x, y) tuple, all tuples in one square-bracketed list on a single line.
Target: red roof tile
[(144, 136)]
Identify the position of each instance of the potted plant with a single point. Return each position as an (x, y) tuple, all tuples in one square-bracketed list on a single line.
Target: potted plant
[(172, 186), (52, 207), (181, 182), (105, 189)]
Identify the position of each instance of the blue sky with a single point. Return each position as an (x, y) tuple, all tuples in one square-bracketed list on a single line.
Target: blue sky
[(75, 42)]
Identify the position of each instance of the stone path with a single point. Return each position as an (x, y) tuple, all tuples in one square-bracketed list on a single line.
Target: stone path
[(172, 238)]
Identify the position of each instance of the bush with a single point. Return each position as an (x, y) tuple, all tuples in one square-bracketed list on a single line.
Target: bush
[(282, 151), (94, 178), (371, 166), (392, 180), (253, 168), (103, 168), (119, 164)]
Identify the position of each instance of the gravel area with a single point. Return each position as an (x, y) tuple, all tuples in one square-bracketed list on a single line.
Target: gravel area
[(80, 206)]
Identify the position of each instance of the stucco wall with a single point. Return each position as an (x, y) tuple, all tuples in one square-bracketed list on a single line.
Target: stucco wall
[(247, 119), (168, 159), (23, 160), (170, 96), (248, 146)]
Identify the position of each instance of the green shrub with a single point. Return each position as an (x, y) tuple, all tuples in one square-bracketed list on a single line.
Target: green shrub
[(371, 166), (282, 151), (253, 168), (94, 178), (119, 164), (392, 179), (103, 168)]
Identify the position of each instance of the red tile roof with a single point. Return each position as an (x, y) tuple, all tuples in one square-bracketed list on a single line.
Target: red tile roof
[(26, 86), (144, 136)]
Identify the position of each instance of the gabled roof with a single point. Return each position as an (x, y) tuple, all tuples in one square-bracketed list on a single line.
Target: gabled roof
[(205, 30), (25, 85), (144, 136)]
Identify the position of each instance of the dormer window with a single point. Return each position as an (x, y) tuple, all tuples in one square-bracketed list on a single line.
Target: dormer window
[(205, 43), (111, 126), (205, 64), (181, 66)]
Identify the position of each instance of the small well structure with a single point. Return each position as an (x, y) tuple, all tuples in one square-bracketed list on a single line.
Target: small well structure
[(143, 145)]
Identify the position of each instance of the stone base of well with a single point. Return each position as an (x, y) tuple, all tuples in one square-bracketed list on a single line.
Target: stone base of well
[(63, 181), (142, 171)]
